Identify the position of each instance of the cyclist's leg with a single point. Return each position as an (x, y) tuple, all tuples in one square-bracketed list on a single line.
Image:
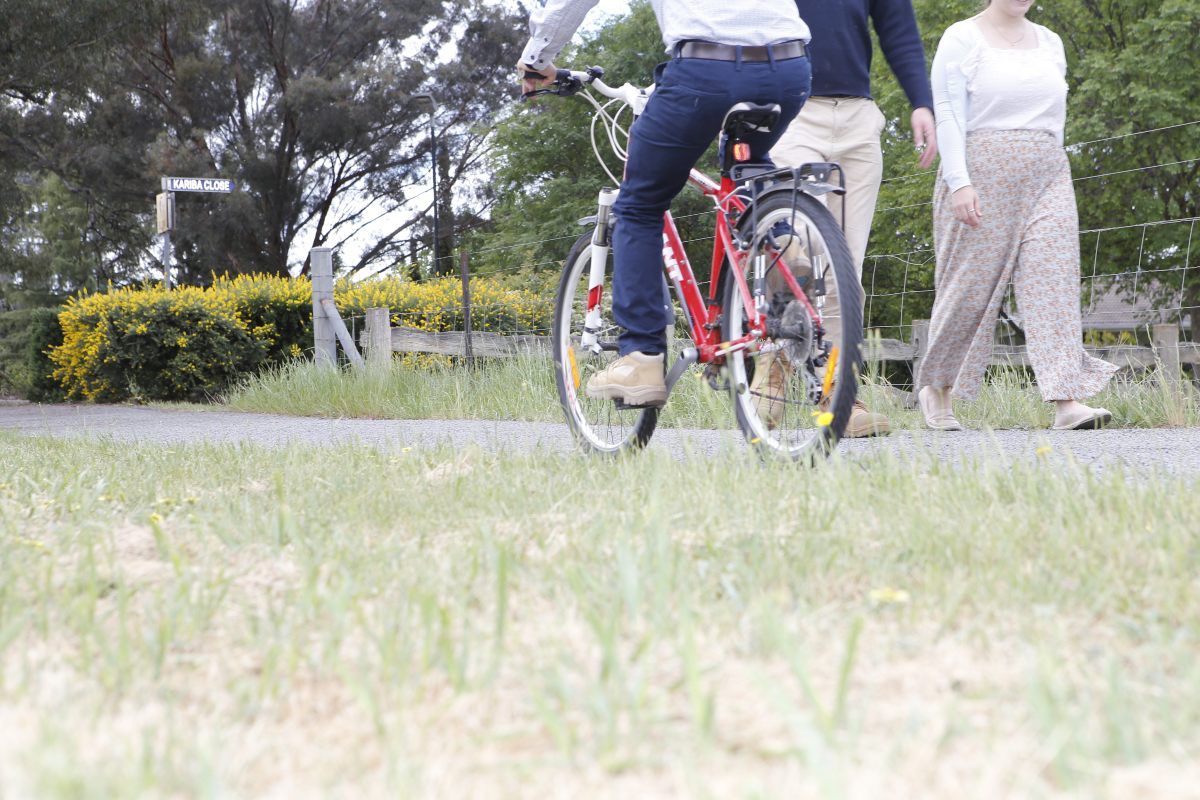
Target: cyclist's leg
[(690, 100)]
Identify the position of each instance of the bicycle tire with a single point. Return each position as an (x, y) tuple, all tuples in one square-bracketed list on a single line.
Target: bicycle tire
[(819, 439), (597, 425)]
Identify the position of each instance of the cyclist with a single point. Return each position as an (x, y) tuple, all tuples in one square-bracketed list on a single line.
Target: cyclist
[(722, 53)]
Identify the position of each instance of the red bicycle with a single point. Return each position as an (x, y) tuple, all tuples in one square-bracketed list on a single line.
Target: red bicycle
[(759, 332)]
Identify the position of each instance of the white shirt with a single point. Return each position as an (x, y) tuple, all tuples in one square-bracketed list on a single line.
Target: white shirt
[(977, 87), (744, 22)]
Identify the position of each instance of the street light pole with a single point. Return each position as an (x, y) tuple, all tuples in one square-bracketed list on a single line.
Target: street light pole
[(437, 230)]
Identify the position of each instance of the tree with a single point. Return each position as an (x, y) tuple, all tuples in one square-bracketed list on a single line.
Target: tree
[(305, 104)]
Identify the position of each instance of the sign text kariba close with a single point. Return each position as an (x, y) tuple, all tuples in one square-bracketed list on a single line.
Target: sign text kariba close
[(219, 185)]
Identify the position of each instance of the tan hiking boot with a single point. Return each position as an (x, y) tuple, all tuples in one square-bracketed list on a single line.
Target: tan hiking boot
[(635, 380), (862, 423), (768, 389)]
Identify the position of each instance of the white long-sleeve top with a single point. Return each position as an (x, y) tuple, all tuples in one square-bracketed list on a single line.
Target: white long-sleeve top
[(977, 87), (748, 23)]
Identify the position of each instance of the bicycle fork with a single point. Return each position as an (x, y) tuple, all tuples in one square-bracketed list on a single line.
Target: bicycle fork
[(601, 244)]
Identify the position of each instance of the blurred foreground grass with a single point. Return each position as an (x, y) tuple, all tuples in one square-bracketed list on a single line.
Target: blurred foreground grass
[(523, 389), (237, 621)]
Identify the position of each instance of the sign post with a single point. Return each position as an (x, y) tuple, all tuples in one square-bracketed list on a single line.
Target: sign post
[(164, 207)]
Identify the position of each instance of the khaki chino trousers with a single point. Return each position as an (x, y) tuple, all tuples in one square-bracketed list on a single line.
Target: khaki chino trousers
[(845, 130)]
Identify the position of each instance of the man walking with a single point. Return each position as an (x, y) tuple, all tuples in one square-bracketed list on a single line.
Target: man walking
[(720, 53), (841, 122)]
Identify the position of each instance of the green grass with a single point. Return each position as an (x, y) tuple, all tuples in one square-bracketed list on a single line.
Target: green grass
[(523, 389), (237, 621)]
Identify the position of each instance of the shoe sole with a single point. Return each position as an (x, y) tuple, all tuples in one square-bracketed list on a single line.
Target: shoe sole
[(1089, 424), (866, 433), (628, 398)]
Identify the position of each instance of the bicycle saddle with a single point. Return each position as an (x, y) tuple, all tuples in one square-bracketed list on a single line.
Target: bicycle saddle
[(745, 117)]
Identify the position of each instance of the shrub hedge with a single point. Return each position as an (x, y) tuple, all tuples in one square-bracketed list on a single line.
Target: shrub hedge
[(191, 343), (26, 336), (153, 344)]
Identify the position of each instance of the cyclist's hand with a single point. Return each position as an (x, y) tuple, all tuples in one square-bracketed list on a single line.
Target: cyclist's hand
[(965, 205), (924, 135), (530, 84)]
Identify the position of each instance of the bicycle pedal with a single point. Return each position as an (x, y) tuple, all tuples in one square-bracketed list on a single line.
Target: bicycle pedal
[(623, 406)]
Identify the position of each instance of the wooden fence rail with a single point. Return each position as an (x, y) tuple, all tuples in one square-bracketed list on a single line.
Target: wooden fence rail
[(1167, 351)]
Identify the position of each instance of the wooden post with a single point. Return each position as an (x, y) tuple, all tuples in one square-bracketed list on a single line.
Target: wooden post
[(320, 269), (1166, 351), (468, 352), (343, 335), (379, 337), (920, 342)]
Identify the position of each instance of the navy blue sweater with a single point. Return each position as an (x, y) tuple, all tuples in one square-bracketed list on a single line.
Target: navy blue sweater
[(841, 47)]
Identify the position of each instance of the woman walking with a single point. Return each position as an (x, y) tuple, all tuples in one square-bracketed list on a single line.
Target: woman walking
[(1004, 210)]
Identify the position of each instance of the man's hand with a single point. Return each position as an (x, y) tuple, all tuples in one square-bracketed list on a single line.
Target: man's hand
[(530, 84), (964, 203), (924, 135)]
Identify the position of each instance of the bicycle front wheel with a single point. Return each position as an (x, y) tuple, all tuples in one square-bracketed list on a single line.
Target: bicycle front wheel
[(794, 396), (597, 425)]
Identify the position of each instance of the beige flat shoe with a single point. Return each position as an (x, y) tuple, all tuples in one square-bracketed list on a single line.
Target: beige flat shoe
[(937, 419), (1086, 419)]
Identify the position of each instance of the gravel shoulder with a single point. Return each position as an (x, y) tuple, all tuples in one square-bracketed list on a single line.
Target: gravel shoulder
[(1175, 450)]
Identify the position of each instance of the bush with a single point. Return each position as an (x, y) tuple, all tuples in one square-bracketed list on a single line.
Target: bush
[(437, 305), (153, 344), (26, 336), (190, 343), (277, 312)]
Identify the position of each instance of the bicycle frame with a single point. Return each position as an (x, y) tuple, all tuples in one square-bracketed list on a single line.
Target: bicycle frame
[(702, 314)]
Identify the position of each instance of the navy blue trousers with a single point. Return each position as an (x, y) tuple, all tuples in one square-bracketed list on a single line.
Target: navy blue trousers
[(683, 116)]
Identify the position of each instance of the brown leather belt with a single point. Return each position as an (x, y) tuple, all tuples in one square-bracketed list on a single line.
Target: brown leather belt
[(715, 51)]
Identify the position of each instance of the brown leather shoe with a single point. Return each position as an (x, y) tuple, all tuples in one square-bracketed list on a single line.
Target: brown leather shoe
[(771, 374), (862, 423)]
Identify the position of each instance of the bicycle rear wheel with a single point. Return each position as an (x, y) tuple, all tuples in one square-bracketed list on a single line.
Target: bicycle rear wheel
[(794, 398), (597, 425)]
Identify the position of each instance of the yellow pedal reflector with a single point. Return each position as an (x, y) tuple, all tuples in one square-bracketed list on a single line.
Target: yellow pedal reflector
[(830, 369), (574, 366)]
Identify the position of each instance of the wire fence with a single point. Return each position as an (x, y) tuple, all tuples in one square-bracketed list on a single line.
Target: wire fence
[(1132, 275)]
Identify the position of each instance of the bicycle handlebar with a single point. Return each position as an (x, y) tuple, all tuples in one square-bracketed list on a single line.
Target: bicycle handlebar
[(570, 82)]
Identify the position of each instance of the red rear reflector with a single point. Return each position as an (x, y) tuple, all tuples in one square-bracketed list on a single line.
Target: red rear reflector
[(741, 151)]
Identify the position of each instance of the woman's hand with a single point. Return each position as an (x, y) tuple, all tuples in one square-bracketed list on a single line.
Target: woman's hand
[(965, 205)]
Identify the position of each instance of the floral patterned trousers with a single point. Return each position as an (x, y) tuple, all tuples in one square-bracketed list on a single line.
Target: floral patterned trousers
[(1029, 235)]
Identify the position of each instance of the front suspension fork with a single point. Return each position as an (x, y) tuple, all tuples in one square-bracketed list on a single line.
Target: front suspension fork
[(601, 244)]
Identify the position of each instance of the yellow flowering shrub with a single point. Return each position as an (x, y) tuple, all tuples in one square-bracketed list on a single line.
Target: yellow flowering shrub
[(189, 343), (152, 344), (276, 309), (436, 305)]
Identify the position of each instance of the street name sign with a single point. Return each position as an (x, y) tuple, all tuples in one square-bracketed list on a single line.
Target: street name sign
[(218, 185)]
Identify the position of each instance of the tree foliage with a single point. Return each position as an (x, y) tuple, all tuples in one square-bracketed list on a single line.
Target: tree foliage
[(307, 105)]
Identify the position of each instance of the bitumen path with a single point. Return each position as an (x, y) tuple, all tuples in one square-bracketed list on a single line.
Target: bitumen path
[(1175, 450)]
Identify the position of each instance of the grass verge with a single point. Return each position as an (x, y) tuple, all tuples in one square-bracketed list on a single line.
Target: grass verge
[(523, 389), (219, 620)]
